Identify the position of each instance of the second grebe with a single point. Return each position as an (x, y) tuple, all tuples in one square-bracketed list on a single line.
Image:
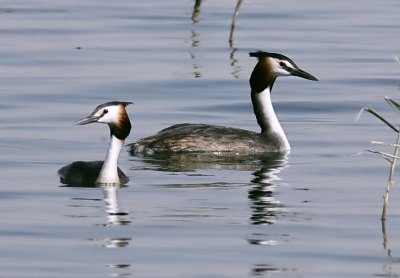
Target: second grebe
[(223, 140), (98, 172)]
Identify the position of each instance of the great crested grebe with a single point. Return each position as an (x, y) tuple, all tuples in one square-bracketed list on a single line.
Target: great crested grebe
[(186, 137), (102, 172)]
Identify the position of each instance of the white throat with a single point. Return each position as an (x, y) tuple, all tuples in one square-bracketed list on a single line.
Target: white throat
[(109, 171), (267, 118)]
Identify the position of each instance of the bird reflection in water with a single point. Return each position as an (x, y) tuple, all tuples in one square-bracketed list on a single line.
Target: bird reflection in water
[(264, 168), (264, 206), (115, 215)]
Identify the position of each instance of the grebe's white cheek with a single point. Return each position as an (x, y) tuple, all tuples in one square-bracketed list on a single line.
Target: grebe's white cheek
[(278, 69), (111, 116), (282, 72), (103, 120)]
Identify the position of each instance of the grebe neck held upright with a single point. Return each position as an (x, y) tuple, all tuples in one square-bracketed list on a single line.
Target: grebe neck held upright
[(267, 119), (88, 172), (182, 138)]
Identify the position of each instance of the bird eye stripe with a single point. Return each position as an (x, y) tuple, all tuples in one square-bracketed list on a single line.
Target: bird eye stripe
[(286, 66)]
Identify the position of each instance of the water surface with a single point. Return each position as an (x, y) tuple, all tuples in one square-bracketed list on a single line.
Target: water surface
[(314, 213)]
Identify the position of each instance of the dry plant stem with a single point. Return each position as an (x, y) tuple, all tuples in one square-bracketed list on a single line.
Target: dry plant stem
[(233, 24), (390, 179), (384, 144)]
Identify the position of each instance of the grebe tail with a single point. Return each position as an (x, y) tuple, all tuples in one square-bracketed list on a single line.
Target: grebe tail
[(102, 172), (214, 139)]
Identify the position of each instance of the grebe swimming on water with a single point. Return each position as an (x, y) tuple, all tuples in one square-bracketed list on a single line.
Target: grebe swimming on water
[(223, 140), (102, 172)]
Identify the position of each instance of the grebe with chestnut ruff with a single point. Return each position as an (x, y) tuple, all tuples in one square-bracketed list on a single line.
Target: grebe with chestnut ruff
[(214, 139), (102, 172)]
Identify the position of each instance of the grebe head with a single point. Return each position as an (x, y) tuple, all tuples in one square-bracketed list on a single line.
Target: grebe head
[(112, 113), (272, 65)]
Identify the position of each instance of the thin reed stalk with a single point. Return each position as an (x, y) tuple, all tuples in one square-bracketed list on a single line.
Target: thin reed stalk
[(390, 179), (391, 158)]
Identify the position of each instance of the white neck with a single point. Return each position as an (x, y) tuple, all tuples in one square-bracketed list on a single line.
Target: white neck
[(267, 119), (109, 171)]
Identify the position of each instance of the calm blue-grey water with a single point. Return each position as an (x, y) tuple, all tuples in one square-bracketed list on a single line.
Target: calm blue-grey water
[(314, 213)]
